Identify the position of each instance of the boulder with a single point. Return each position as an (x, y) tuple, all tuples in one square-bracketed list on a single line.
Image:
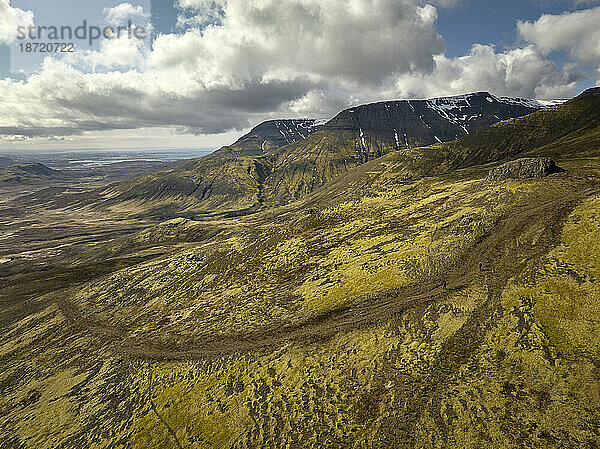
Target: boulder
[(525, 168)]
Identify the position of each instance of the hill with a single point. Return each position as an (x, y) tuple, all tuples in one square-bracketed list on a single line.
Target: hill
[(279, 161), (270, 135), (29, 173), (434, 297), (413, 301)]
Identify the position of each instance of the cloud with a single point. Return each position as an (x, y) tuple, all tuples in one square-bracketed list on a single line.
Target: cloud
[(448, 3), (367, 41), (522, 72), (586, 2), (10, 19), (62, 100), (257, 60), (126, 11), (263, 58), (113, 54), (200, 13), (118, 53), (577, 33)]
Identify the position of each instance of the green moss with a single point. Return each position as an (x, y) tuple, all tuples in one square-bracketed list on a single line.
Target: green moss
[(506, 358), (565, 296)]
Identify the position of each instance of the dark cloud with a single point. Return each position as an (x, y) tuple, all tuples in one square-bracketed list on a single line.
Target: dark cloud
[(262, 59)]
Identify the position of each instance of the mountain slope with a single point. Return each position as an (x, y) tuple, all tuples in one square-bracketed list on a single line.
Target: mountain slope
[(565, 132), (363, 133), (409, 303), (230, 179), (270, 135), (414, 123), (200, 186), (24, 173), (282, 160), (386, 309), (579, 116)]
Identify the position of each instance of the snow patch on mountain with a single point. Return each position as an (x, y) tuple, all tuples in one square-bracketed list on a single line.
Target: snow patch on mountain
[(530, 103), (298, 129), (551, 103)]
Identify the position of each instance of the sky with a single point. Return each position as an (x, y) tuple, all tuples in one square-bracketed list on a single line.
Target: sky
[(206, 71)]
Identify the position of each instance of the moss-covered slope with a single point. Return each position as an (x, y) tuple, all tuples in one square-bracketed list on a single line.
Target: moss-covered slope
[(386, 309), (294, 157)]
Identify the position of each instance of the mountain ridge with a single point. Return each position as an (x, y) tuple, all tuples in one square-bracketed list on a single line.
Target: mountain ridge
[(411, 301), (259, 170), (564, 132), (270, 135)]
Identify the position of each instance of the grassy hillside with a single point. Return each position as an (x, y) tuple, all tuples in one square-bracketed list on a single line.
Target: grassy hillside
[(27, 173), (332, 327), (297, 156), (578, 117), (409, 303), (201, 186)]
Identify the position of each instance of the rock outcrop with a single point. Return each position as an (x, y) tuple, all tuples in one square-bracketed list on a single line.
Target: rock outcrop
[(525, 168)]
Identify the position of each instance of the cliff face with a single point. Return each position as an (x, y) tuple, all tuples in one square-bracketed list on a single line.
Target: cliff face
[(412, 123)]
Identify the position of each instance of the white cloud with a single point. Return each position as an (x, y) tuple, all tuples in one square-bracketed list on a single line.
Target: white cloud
[(360, 40), (578, 33), (159, 138), (261, 59), (118, 53), (521, 72), (10, 19), (126, 11), (113, 54), (315, 102), (448, 3)]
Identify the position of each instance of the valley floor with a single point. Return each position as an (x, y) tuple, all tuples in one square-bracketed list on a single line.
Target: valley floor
[(448, 312)]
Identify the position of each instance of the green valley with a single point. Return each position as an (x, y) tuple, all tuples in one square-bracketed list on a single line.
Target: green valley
[(329, 292)]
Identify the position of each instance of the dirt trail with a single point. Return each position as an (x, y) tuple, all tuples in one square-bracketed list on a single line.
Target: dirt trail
[(499, 252)]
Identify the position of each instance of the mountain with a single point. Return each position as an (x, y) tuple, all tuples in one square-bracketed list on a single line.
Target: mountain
[(570, 130), (415, 123), (282, 160), (567, 130), (367, 132), (4, 161), (270, 135), (434, 297), (230, 178), (25, 173)]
